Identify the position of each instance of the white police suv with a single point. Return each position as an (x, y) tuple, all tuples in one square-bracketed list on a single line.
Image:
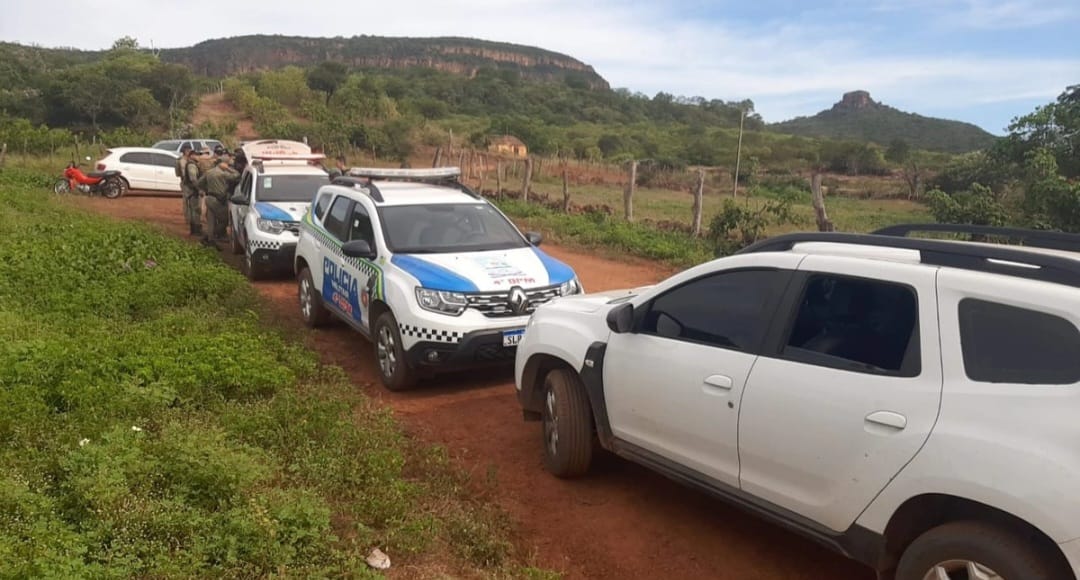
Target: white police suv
[(437, 277), (273, 194)]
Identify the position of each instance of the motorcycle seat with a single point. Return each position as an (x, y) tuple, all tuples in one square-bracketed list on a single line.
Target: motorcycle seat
[(103, 173)]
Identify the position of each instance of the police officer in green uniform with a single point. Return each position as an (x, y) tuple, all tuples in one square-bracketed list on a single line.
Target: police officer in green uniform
[(189, 178), (217, 183), (338, 169)]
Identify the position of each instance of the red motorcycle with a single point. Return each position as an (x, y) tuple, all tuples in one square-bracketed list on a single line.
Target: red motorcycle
[(106, 183)]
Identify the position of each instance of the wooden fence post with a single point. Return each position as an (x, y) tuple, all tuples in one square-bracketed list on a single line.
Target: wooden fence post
[(823, 222), (565, 189), (483, 170), (628, 192), (498, 178), (3, 153), (438, 157), (528, 179), (699, 199)]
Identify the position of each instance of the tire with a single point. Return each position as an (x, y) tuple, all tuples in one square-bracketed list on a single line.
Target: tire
[(567, 425), (234, 241), (394, 370), (253, 271), (124, 186), (312, 309), (971, 543), (112, 188), (61, 187)]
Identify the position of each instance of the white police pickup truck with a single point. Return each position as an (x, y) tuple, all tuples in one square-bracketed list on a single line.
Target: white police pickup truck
[(273, 194), (437, 277)]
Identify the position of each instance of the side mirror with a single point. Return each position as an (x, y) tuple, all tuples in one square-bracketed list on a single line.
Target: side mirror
[(238, 199), (621, 318), (358, 249), (534, 238)]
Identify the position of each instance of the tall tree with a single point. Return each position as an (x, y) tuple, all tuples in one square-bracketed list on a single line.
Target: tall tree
[(327, 77)]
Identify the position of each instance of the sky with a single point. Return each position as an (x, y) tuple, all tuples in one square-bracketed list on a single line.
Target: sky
[(981, 61)]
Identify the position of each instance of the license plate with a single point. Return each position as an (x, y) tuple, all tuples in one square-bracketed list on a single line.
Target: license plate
[(513, 337)]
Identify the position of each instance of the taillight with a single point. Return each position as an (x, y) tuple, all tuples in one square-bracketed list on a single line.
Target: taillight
[(101, 167)]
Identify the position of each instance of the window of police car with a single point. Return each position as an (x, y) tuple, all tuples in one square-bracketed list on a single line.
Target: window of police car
[(361, 228), (337, 221), (289, 187), (445, 228), (322, 204)]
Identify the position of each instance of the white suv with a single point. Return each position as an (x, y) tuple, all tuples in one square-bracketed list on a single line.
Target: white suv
[(275, 190), (438, 277), (911, 403)]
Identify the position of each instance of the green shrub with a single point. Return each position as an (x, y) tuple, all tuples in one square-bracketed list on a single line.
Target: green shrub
[(152, 427)]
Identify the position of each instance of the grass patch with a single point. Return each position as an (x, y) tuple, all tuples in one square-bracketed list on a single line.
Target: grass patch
[(664, 216), (154, 427), (598, 230)]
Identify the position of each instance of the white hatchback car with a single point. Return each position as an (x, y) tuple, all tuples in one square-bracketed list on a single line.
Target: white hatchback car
[(143, 168), (910, 403)]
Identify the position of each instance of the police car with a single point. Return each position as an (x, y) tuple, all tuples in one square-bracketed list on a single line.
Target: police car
[(436, 277), (265, 210)]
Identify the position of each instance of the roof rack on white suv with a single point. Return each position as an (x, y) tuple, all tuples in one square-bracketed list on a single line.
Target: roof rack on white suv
[(362, 177), (1007, 260)]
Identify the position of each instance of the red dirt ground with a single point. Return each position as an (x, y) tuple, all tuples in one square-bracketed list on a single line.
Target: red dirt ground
[(621, 521)]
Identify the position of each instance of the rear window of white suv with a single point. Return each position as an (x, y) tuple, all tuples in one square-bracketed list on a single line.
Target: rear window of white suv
[(1007, 344)]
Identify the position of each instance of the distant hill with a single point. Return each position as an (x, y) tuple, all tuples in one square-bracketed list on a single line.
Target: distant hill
[(465, 56), (859, 117)]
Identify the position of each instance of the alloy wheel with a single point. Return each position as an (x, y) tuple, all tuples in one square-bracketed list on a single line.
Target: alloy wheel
[(551, 424), (387, 354), (306, 307), (961, 570)]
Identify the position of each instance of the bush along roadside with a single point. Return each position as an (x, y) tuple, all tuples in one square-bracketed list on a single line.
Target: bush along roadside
[(736, 226), (153, 427)]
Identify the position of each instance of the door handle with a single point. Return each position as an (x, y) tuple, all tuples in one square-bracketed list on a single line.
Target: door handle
[(719, 382), (888, 419)]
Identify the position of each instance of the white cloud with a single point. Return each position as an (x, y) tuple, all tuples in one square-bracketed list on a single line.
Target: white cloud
[(787, 66), (986, 14)]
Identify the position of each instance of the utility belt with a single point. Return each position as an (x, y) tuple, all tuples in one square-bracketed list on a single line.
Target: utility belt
[(221, 197)]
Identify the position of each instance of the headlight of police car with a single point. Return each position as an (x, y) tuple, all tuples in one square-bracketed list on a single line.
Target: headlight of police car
[(452, 303), (570, 287), (271, 226)]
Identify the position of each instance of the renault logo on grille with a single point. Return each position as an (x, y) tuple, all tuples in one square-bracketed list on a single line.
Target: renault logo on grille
[(518, 300)]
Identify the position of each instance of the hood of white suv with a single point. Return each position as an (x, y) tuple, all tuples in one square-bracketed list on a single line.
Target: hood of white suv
[(588, 303), (485, 271)]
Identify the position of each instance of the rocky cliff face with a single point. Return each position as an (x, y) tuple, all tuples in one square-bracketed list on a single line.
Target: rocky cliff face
[(856, 101), (224, 57)]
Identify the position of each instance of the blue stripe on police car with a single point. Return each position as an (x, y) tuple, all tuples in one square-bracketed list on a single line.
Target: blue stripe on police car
[(433, 276), (268, 211)]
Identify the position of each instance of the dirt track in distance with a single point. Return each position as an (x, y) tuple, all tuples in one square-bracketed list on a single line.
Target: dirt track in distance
[(621, 521)]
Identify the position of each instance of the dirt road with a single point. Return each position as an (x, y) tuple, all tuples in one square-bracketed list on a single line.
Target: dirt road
[(621, 521)]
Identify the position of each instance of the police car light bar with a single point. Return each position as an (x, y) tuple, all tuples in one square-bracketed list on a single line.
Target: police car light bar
[(434, 174), (279, 150)]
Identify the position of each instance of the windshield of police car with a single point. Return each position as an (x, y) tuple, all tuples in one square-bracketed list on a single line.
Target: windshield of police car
[(288, 187), (447, 228)]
